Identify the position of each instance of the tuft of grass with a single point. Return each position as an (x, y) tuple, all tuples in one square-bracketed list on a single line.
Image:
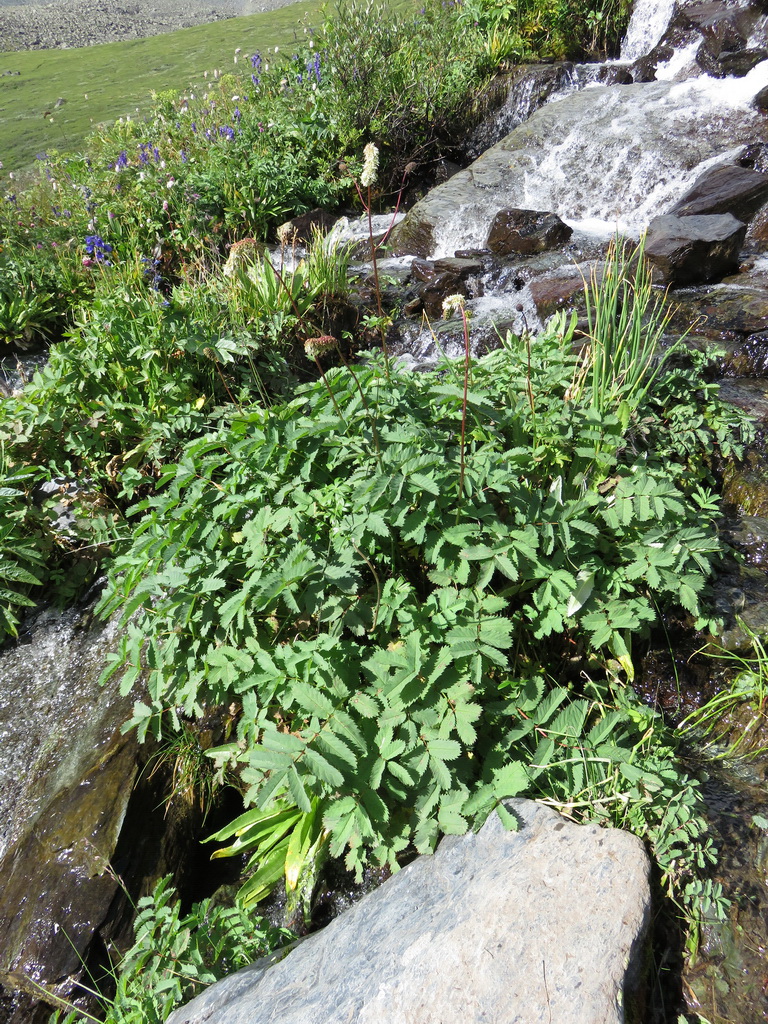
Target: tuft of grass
[(732, 723)]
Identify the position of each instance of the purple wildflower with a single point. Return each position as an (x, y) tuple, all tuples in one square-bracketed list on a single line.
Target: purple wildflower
[(97, 249)]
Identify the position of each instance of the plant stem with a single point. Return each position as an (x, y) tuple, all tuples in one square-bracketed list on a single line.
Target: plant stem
[(376, 285), (365, 403), (464, 400), (330, 392)]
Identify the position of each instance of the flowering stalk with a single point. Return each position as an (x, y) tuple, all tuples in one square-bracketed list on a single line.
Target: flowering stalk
[(367, 178)]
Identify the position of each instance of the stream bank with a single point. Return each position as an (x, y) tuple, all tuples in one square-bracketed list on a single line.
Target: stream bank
[(686, 127)]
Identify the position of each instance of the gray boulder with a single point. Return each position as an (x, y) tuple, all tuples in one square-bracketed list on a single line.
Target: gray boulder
[(694, 250), (541, 926), (526, 232)]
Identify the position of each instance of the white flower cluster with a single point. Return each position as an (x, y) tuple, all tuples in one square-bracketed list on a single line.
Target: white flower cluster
[(370, 165)]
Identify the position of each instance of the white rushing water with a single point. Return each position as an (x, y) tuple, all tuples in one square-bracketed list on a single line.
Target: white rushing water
[(646, 27), (609, 157)]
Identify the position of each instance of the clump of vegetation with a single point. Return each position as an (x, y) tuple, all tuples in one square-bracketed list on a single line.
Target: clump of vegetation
[(416, 593), (371, 572), (174, 956)]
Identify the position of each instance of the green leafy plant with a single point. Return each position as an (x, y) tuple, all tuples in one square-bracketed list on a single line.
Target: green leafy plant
[(379, 614), (21, 552), (175, 955)]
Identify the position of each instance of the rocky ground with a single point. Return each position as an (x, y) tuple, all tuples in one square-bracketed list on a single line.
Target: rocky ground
[(73, 23)]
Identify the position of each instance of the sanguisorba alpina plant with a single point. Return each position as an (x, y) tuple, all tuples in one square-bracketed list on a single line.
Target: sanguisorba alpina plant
[(367, 179)]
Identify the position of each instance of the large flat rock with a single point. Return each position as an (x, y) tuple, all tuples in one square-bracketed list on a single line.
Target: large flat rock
[(541, 926)]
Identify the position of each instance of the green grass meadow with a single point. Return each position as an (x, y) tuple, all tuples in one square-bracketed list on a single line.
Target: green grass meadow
[(102, 83)]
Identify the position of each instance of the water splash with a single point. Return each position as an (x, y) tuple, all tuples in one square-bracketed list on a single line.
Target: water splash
[(646, 27)]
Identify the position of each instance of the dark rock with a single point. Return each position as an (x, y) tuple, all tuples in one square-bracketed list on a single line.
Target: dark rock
[(755, 156), (733, 189), (737, 65), (491, 928), (423, 270), (561, 290), (462, 267), (445, 169), (728, 64), (694, 250), (615, 74), (720, 312), (526, 232), (301, 228), (436, 290), (724, 28), (761, 99), (644, 69)]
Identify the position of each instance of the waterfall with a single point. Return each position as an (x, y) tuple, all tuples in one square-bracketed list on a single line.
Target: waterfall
[(646, 27)]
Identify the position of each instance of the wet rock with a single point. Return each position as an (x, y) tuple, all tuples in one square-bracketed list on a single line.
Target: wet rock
[(439, 279), (739, 599), (694, 250), (63, 794), (436, 290), (423, 270), (526, 232), (615, 74), (745, 357), (735, 190), (492, 927), (745, 486), (527, 88), (563, 289), (724, 27), (729, 63), (302, 228), (720, 311), (462, 267), (761, 99), (751, 395), (737, 65), (749, 536), (561, 177), (70, 817)]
